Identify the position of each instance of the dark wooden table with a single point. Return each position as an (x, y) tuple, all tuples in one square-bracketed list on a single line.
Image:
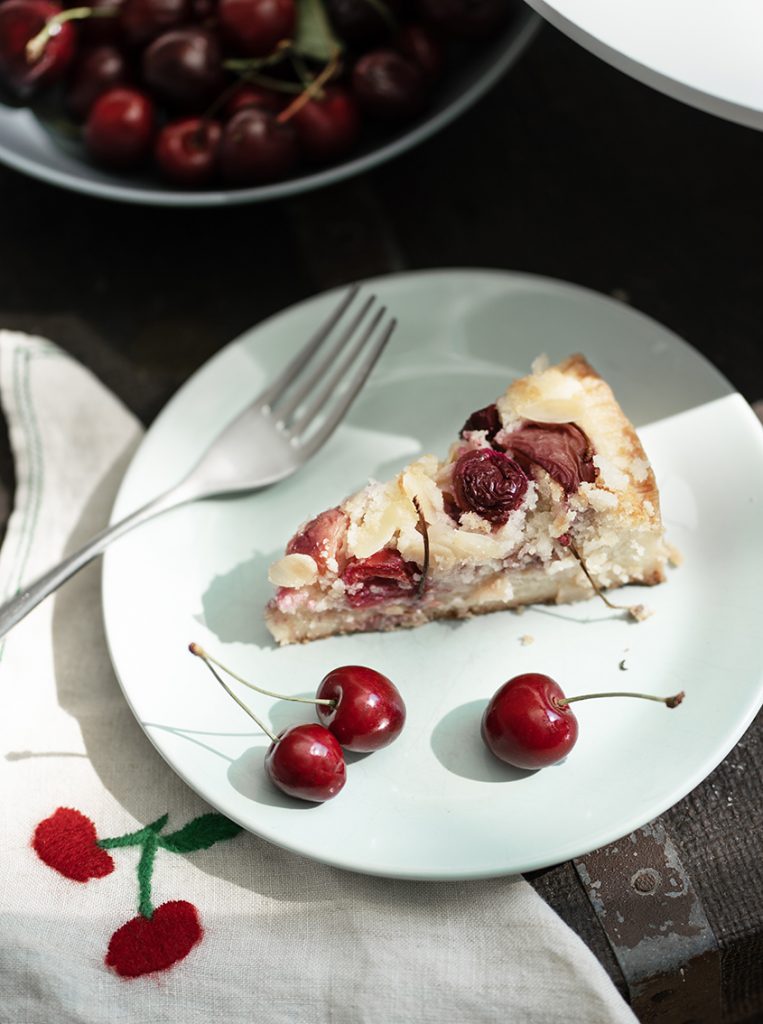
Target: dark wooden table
[(567, 169)]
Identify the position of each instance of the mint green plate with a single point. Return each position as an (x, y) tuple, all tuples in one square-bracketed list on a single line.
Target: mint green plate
[(435, 804)]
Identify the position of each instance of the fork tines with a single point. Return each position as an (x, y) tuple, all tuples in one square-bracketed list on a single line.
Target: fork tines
[(311, 396)]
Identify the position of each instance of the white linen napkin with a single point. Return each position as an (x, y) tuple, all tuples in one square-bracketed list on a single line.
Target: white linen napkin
[(284, 940)]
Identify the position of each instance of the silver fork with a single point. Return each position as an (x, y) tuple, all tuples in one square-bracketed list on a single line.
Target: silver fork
[(275, 434)]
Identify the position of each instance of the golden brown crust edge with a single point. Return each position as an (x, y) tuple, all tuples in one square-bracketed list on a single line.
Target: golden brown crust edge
[(603, 420)]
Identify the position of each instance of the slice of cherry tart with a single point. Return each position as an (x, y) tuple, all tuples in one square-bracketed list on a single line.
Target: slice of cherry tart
[(547, 496)]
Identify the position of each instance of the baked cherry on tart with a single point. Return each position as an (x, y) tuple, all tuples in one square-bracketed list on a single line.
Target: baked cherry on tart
[(547, 496)]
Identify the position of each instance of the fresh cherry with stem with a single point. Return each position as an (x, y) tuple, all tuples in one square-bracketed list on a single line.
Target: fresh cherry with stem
[(256, 148), (364, 711), (304, 761), (361, 707), (528, 722), (36, 43), (328, 125)]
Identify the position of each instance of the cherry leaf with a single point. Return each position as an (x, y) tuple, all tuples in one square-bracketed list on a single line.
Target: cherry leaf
[(200, 834), (314, 37)]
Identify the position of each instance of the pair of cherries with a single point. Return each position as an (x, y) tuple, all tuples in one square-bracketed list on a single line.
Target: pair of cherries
[(359, 710), (528, 723)]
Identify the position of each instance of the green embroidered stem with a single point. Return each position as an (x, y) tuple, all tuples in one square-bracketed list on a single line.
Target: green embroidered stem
[(145, 870), (198, 834), (134, 838)]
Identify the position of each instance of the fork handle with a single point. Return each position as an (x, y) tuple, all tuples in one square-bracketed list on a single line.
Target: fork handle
[(32, 594)]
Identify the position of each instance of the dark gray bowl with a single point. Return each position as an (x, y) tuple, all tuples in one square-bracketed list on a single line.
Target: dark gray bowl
[(30, 146)]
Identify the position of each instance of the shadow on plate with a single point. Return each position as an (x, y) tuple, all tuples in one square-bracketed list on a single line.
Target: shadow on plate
[(233, 602), (457, 745)]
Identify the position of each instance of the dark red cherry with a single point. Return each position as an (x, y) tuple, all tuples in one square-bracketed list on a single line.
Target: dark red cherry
[(562, 449), (471, 19), (418, 44), (525, 725), (20, 22), (101, 28), (144, 20), (255, 148), (203, 11), (489, 483), (389, 85), (255, 27), (362, 22), (97, 70), (184, 66), (187, 151), (328, 126), (486, 419), (253, 96), (383, 576), (323, 538), (369, 712), (307, 762), (120, 127)]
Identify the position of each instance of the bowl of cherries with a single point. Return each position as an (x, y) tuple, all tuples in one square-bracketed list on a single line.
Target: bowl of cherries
[(205, 102)]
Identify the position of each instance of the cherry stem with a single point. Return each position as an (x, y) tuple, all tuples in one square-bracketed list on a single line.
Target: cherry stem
[(423, 529), (230, 693), (636, 611), (241, 65), (133, 838), (201, 653), (312, 90), (36, 45), (671, 702)]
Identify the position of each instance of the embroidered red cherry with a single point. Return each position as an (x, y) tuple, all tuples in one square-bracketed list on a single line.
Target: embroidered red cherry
[(364, 711), (67, 842), (528, 722), (146, 944)]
